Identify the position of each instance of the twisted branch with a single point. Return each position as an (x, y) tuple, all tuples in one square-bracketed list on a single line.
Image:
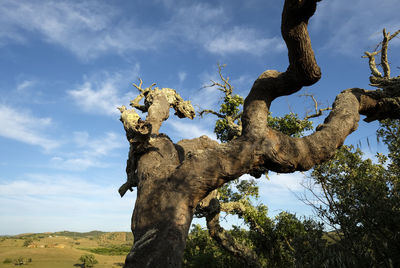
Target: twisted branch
[(210, 208)]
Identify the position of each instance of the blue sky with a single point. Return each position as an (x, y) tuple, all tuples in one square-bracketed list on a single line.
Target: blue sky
[(66, 65)]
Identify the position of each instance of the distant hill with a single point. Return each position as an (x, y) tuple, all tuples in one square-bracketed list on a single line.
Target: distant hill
[(64, 248)]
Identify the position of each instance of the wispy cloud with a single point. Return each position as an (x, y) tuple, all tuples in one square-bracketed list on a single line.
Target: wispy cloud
[(101, 93), (241, 39), (281, 192), (210, 26), (90, 29), (185, 130), (87, 29), (54, 202), (282, 183), (242, 84), (89, 152), (208, 97), (356, 27), (182, 76), (25, 85), (21, 125)]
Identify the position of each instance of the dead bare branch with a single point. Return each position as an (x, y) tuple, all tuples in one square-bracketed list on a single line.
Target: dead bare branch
[(318, 112)]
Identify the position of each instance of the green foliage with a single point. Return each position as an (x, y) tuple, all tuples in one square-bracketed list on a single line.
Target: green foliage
[(93, 234), (22, 261), (7, 260), (88, 260), (281, 242), (227, 128), (112, 250), (290, 124), (297, 243), (28, 241), (202, 251), (237, 190), (231, 105), (389, 133), (361, 200), (284, 241)]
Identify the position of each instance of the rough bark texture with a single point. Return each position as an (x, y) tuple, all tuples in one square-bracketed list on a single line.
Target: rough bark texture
[(172, 179)]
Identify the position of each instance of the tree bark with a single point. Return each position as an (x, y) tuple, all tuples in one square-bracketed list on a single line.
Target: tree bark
[(171, 179)]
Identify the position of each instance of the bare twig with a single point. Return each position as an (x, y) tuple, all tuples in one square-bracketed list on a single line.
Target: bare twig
[(234, 124), (140, 86), (135, 102), (206, 111), (372, 63), (384, 59), (318, 112), (226, 87)]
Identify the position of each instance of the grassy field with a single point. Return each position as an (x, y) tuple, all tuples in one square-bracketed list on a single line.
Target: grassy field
[(63, 249)]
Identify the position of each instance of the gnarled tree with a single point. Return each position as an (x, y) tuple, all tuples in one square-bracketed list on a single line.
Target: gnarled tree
[(171, 179)]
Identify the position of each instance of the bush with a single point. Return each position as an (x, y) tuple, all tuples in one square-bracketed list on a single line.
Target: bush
[(111, 250), (28, 241), (88, 260), (22, 261), (8, 260)]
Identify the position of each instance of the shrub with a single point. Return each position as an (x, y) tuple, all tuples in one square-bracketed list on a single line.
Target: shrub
[(111, 250), (28, 241), (22, 261), (88, 260), (8, 260)]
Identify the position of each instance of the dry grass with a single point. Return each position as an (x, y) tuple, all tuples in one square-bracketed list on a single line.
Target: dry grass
[(51, 252)]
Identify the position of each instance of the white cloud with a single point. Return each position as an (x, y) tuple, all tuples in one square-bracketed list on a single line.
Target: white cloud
[(54, 186), (241, 39), (97, 98), (87, 29), (279, 183), (75, 164), (22, 126), (243, 84), (201, 15), (90, 28), (25, 84), (185, 130), (281, 193), (41, 203), (182, 76), (208, 97), (102, 146), (210, 27), (89, 153), (100, 93), (356, 27)]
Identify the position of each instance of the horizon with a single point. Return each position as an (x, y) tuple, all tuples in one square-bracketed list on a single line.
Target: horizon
[(67, 65)]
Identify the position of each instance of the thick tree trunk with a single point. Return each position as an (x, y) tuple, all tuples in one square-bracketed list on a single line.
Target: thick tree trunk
[(171, 179), (160, 224), (165, 203)]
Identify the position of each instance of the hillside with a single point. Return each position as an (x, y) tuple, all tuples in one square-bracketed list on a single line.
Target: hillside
[(63, 249)]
